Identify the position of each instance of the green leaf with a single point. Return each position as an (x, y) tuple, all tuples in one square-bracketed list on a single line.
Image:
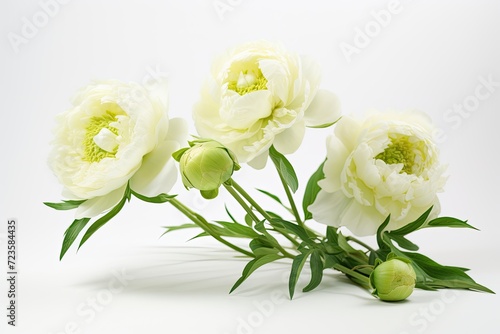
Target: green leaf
[(104, 219), (312, 190), (415, 225), (254, 265), (161, 198), (380, 240), (248, 220), (297, 265), (439, 276), (293, 228), (285, 169), (178, 227), (230, 215), (178, 154), (71, 233), (403, 242), (261, 247), (316, 264), (241, 230), (332, 235), (276, 198), (449, 222), (65, 205)]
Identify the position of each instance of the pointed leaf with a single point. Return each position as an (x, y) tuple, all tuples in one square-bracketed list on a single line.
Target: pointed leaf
[(297, 265), (403, 242), (316, 264), (178, 227), (254, 265), (276, 198), (415, 225), (104, 219), (161, 198), (65, 205), (449, 222), (312, 190), (285, 169), (71, 233), (380, 230), (241, 230)]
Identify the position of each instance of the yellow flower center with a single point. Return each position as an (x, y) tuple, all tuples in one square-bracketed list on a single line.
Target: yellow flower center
[(248, 81), (100, 138), (402, 151)]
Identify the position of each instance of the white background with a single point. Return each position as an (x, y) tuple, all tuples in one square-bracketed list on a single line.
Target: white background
[(430, 56)]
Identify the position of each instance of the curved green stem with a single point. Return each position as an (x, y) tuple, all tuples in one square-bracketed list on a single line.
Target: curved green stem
[(242, 203), (200, 221), (361, 279), (257, 207), (290, 199), (359, 242), (252, 215), (250, 200)]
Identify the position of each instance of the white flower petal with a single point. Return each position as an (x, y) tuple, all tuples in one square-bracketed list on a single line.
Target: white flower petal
[(324, 109), (336, 156), (289, 140), (97, 205), (177, 130), (158, 172), (259, 161), (247, 109), (328, 207), (277, 77), (361, 220)]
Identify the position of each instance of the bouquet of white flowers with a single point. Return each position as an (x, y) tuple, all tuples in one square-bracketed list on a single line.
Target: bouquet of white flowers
[(380, 176)]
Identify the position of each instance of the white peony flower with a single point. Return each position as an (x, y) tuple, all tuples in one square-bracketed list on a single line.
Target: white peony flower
[(385, 164), (116, 133), (260, 95)]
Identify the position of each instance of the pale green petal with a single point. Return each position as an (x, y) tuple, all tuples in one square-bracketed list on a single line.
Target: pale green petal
[(158, 172), (289, 140), (360, 219), (97, 205), (177, 130), (259, 161), (327, 207), (348, 130), (277, 77), (248, 109), (324, 109), (336, 156)]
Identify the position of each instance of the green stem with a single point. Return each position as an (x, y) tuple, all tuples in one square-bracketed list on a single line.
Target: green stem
[(242, 203), (194, 217), (290, 199), (362, 279), (250, 200), (257, 207), (252, 215), (359, 242)]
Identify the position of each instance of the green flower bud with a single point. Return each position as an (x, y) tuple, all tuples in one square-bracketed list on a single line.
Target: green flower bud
[(393, 280), (206, 165)]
